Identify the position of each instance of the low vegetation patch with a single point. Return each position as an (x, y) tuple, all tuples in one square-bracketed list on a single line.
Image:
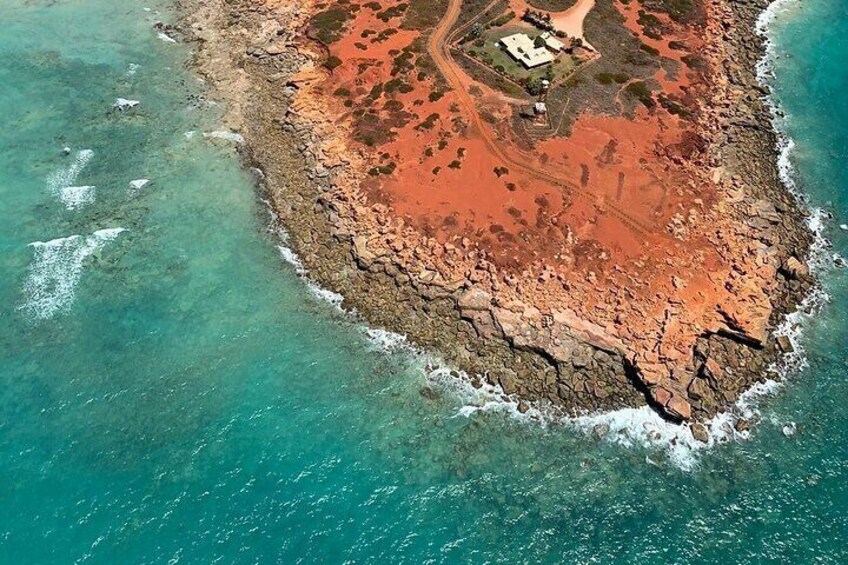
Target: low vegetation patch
[(333, 62), (424, 15), (609, 78), (652, 26), (694, 62), (650, 50), (328, 26), (552, 5), (673, 106), (640, 91), (429, 122), (680, 11)]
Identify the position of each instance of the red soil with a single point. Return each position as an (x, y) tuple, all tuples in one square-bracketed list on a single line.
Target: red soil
[(602, 223), (519, 219)]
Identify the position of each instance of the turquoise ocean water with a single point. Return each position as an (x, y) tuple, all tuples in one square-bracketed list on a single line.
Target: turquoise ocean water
[(172, 392)]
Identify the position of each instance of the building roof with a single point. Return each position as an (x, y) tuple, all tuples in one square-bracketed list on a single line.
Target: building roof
[(522, 49), (552, 43)]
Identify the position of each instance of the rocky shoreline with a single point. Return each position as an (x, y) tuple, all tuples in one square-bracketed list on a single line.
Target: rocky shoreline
[(250, 55)]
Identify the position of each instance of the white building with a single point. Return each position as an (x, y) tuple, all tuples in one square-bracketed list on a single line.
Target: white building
[(551, 42), (521, 48)]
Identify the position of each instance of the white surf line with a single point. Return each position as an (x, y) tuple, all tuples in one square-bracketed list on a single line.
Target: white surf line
[(60, 184), (165, 37), (289, 256), (75, 197), (628, 427), (56, 270)]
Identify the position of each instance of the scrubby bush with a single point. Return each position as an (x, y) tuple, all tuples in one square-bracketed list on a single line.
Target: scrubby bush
[(650, 50), (332, 62), (695, 62), (327, 26), (641, 92), (503, 20)]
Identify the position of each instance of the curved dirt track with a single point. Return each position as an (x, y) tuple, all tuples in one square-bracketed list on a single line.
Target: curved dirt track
[(439, 48)]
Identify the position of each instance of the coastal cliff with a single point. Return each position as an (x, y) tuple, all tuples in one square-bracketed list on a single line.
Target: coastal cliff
[(680, 315)]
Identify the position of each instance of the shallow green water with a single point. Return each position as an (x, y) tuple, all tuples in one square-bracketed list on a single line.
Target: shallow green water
[(174, 393)]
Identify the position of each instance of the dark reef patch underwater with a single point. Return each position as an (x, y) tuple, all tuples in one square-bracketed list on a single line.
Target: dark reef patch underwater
[(171, 391)]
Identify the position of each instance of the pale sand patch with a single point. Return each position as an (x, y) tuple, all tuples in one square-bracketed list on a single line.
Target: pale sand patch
[(571, 21)]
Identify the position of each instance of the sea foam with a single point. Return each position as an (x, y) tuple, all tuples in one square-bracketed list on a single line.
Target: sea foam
[(68, 175), (324, 295), (165, 37), (56, 270), (60, 184), (74, 197)]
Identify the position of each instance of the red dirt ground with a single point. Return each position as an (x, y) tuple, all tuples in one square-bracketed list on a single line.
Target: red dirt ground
[(595, 207)]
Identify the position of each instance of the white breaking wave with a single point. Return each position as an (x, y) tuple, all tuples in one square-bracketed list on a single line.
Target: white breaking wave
[(68, 175), (60, 183), (166, 38), (770, 14), (132, 69), (74, 197), (56, 270), (333, 298), (643, 426), (820, 259), (292, 259), (386, 340)]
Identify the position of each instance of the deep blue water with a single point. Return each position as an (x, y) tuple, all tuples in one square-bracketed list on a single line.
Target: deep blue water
[(173, 392)]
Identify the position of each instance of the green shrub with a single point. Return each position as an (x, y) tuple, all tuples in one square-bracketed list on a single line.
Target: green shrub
[(641, 92), (695, 62), (436, 96), (650, 50), (327, 26), (503, 20), (332, 62)]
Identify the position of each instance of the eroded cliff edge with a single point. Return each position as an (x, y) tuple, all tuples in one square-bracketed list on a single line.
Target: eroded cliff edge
[(667, 332)]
